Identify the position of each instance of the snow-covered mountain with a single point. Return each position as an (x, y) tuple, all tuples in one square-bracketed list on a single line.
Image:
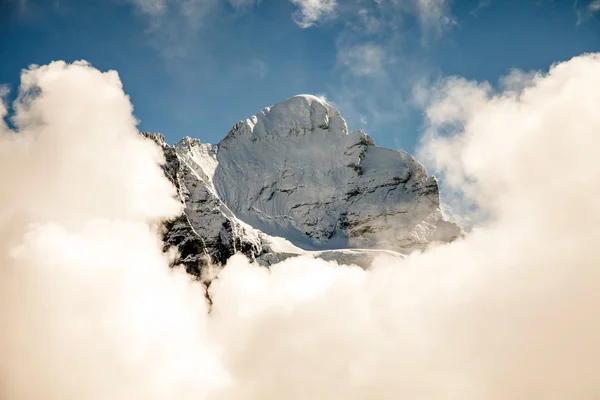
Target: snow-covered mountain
[(292, 180)]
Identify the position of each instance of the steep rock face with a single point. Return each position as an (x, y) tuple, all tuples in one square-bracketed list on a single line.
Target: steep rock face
[(292, 179), (294, 171), (207, 231)]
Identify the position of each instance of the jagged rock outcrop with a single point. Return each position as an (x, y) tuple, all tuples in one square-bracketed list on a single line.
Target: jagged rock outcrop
[(207, 231), (292, 179)]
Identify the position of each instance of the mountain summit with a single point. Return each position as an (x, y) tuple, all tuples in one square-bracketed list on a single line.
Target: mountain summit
[(290, 180)]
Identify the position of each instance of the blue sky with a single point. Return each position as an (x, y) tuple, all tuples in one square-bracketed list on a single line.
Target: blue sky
[(196, 67)]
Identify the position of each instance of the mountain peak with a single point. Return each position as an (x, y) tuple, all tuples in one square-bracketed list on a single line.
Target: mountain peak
[(297, 116), (292, 174), (309, 98)]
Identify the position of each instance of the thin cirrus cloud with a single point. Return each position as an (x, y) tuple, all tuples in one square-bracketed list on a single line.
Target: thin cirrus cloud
[(585, 12), (253, 68), (195, 11), (480, 6), (377, 69), (431, 13), (309, 12), (243, 4), (367, 59), (434, 13), (173, 25), (151, 7)]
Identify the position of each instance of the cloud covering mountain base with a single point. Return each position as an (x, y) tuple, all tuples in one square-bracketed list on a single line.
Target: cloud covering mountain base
[(90, 308)]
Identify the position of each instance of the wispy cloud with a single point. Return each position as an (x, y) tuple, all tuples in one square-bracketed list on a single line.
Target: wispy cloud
[(192, 8), (311, 11), (480, 6), (378, 68), (431, 14), (254, 68), (194, 12), (434, 13), (174, 25), (243, 4), (151, 7), (368, 22), (366, 59), (585, 12)]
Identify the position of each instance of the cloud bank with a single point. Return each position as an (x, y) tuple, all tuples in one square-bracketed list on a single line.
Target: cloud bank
[(91, 309)]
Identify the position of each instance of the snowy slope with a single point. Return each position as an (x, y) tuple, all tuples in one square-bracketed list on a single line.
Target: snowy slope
[(292, 179), (294, 171)]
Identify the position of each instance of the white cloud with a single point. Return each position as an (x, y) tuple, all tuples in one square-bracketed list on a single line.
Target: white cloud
[(311, 11), (594, 6), (363, 60), (465, 105), (92, 311), (4, 92), (517, 80), (506, 313)]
